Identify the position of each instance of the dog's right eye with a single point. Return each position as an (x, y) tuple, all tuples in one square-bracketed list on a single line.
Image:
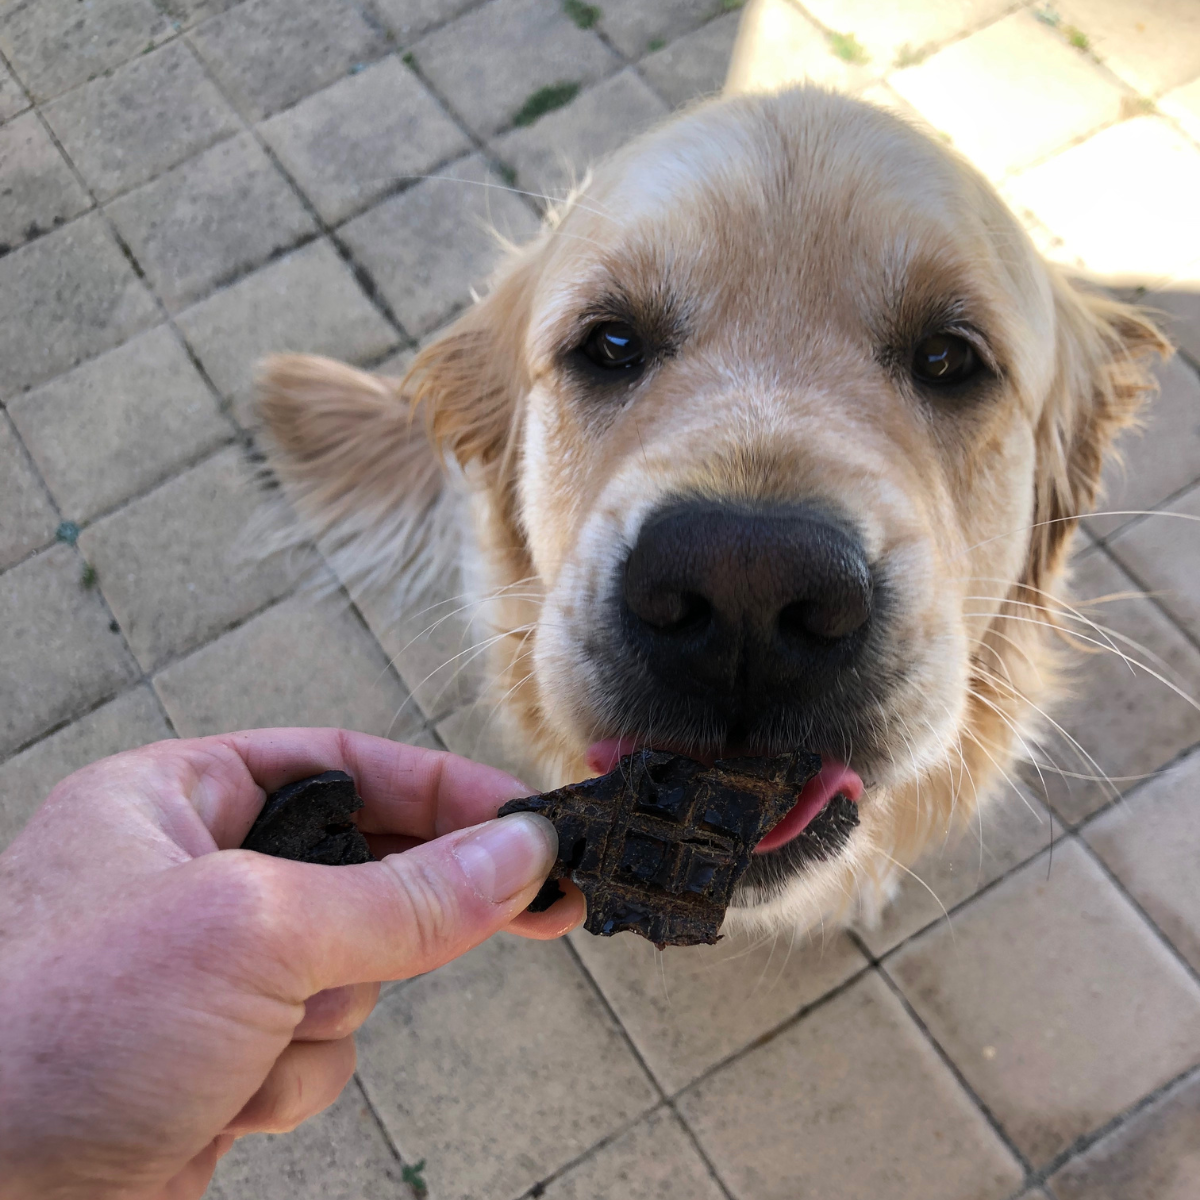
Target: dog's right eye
[(614, 346), (944, 359)]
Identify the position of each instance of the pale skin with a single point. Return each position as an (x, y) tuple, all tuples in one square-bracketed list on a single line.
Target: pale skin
[(163, 993)]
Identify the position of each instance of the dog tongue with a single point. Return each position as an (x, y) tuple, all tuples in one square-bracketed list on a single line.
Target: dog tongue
[(833, 777)]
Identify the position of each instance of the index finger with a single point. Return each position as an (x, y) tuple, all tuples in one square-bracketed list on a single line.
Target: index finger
[(406, 790)]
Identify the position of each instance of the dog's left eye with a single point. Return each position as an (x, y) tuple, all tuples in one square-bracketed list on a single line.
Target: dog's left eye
[(614, 346), (944, 358)]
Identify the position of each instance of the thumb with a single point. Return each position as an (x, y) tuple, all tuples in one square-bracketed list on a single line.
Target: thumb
[(417, 910)]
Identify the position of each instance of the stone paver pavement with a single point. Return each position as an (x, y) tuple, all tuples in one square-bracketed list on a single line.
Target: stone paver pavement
[(186, 185)]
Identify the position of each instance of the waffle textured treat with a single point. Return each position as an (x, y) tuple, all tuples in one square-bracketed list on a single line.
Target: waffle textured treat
[(310, 821), (658, 843)]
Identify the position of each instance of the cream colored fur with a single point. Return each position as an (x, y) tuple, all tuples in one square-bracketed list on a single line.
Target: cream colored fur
[(797, 234)]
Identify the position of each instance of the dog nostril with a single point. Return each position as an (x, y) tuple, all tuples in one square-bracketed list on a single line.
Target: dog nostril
[(673, 612), (830, 623)]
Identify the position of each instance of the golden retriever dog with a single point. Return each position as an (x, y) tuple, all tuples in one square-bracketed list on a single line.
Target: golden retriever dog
[(775, 437)]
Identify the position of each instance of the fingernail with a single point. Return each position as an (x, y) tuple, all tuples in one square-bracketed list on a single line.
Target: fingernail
[(505, 856)]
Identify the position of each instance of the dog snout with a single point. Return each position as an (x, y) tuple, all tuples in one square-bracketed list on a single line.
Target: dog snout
[(746, 601)]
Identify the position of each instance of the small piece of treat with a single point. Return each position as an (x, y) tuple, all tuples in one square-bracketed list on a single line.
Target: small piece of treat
[(658, 843), (309, 821)]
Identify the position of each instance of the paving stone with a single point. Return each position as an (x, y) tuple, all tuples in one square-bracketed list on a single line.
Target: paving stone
[(147, 116), (470, 61), (851, 1096), (29, 517), (407, 19), (347, 145), (1118, 226), (686, 1009), (306, 301), (443, 664), (553, 154), (1153, 45), (175, 565), (655, 1160), (298, 663), (1161, 553), (119, 424), (1151, 842), (267, 54), (191, 12), (55, 44), (427, 247), (395, 366), (631, 25), (132, 719), (339, 1155), (1153, 1156), (1158, 459), (58, 656), (37, 189), (897, 32), (1183, 103), (209, 220), (1009, 830), (1177, 307), (63, 298), (696, 64), (12, 95), (481, 731), (779, 46), (1048, 966), (1010, 94), (491, 1112), (1128, 721)]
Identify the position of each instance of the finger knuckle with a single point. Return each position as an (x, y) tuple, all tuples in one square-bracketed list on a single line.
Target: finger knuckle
[(430, 909)]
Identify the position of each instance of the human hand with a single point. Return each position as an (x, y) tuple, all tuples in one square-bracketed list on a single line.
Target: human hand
[(159, 999)]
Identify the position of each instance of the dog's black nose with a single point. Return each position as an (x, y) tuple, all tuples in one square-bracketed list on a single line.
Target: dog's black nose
[(753, 603)]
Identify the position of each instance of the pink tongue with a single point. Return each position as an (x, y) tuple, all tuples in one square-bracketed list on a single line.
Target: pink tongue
[(833, 777)]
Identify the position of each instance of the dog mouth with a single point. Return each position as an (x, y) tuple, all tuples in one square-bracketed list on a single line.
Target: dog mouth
[(834, 779)]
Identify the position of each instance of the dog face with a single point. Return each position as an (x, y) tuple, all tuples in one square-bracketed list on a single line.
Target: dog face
[(768, 434)]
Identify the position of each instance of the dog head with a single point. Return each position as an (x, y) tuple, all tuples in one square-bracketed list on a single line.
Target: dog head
[(768, 432)]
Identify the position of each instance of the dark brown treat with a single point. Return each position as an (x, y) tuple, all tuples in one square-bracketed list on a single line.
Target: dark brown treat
[(309, 821), (658, 843)]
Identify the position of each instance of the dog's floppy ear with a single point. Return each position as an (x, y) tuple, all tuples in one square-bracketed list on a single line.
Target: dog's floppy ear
[(1104, 353), (467, 385)]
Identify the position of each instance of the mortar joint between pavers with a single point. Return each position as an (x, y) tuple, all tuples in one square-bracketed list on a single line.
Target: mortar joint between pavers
[(1134, 788), (236, 436), (480, 145), (700, 1149), (115, 627), (384, 1131), (949, 1063), (23, 450), (1068, 836), (1152, 925), (426, 30), (176, 35), (539, 1187), (131, 258), (361, 275), (1083, 1143), (1151, 595), (769, 1035)]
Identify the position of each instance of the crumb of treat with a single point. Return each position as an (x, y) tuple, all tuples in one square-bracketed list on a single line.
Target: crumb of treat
[(309, 821), (657, 845)]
